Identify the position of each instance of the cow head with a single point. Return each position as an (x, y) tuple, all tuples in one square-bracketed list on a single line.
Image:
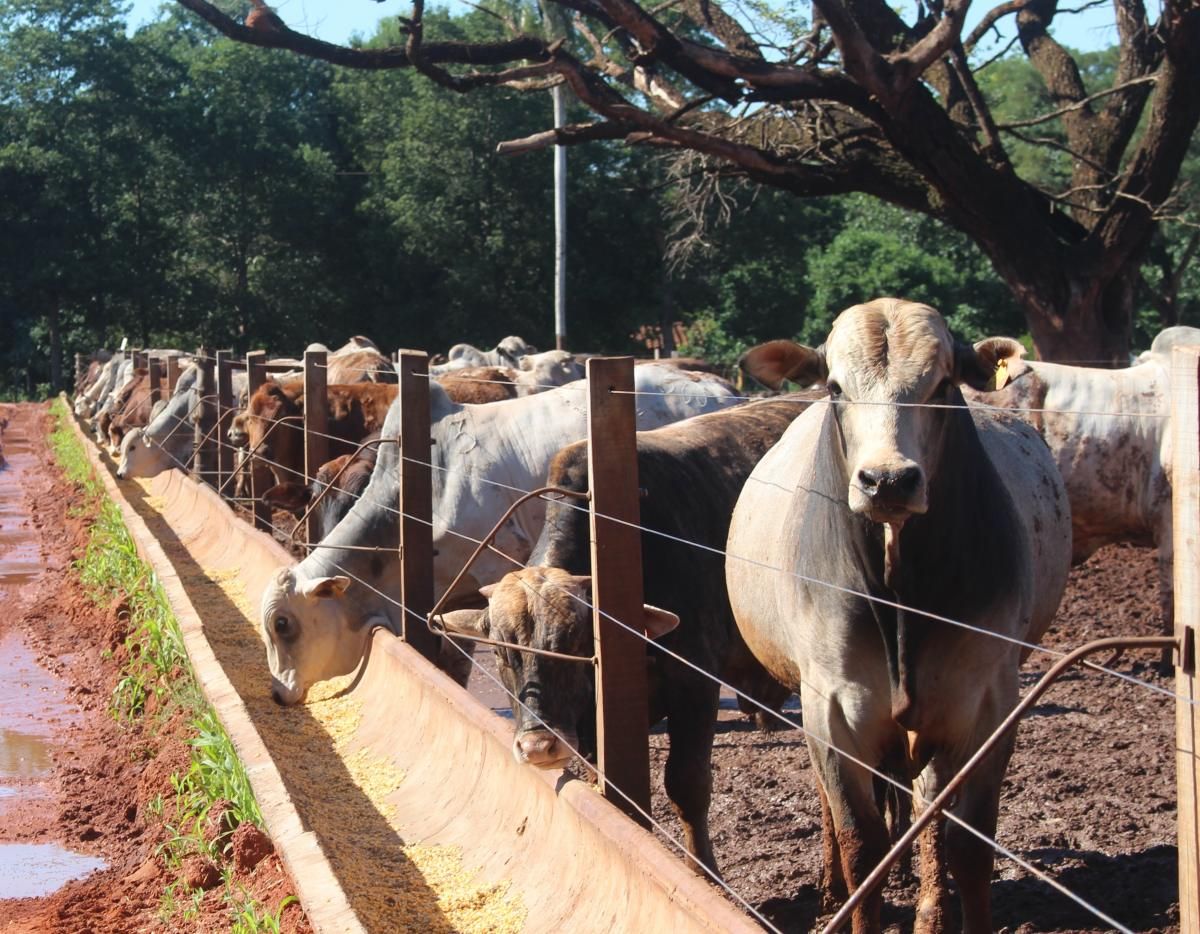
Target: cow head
[(237, 430), (885, 363), (549, 609), (141, 457), (311, 633), (275, 443)]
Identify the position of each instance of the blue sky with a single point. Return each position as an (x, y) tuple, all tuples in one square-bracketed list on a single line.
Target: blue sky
[(337, 20)]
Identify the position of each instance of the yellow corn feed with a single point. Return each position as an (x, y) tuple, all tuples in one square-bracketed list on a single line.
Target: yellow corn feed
[(341, 790)]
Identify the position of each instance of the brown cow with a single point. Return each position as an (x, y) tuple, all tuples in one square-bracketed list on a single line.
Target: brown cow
[(352, 473), (131, 409), (478, 384), (353, 412)]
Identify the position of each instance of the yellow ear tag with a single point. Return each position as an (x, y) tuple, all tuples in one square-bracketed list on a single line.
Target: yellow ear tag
[(1001, 374)]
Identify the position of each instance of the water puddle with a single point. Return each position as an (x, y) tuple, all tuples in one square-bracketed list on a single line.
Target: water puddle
[(34, 706), (31, 870)]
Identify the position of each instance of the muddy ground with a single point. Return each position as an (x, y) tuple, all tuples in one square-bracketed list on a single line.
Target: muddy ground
[(1089, 797), (98, 792)]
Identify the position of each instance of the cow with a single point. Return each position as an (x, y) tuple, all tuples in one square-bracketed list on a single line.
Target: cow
[(86, 402), (132, 409), (507, 353), (168, 438), (480, 384), (275, 414), (359, 361), (1109, 432), (352, 473), (690, 474), (895, 501), (541, 371), (483, 457)]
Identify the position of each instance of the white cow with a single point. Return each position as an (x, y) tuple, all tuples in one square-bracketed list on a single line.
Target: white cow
[(541, 371), (1109, 432), (938, 509), (168, 439), (506, 353), (87, 403), (317, 619)]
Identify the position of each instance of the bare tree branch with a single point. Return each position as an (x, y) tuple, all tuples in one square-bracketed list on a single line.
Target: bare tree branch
[(1053, 115)]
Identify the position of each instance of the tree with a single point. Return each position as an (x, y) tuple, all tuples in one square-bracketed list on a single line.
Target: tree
[(863, 100)]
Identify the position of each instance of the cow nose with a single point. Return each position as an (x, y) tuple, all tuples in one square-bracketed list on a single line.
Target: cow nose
[(277, 697), (890, 485)]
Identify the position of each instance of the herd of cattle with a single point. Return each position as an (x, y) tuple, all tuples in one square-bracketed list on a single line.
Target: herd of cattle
[(839, 531)]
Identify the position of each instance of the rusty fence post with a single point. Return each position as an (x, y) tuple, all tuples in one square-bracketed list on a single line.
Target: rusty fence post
[(622, 717), (316, 424), (204, 465), (258, 478), (416, 503), (225, 411), (140, 359), (154, 367), (1185, 447), (174, 370)]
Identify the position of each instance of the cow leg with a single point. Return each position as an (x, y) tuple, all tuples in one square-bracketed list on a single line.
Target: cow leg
[(859, 834), (687, 777), (833, 881), (933, 899)]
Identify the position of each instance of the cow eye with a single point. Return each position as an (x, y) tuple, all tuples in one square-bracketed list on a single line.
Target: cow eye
[(835, 389), (282, 625)]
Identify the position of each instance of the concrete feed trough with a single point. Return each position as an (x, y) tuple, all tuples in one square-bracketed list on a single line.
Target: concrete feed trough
[(394, 799)]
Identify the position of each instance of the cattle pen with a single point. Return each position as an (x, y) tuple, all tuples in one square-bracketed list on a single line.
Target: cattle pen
[(520, 833)]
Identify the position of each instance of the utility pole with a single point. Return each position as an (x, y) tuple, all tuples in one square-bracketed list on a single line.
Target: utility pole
[(556, 28)]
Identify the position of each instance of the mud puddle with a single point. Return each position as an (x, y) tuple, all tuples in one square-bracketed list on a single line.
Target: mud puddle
[(34, 706), (31, 870)]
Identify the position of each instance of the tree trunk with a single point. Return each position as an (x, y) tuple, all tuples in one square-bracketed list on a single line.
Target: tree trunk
[(1093, 327)]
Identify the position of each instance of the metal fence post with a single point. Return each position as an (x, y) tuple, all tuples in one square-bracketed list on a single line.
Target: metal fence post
[(259, 477), (140, 359), (204, 466), (225, 413), (622, 717), (416, 503), (316, 424), (1185, 446)]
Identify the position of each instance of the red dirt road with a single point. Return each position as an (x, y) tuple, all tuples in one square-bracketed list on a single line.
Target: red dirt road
[(90, 781)]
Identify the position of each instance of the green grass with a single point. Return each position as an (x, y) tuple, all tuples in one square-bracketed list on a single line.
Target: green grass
[(157, 666)]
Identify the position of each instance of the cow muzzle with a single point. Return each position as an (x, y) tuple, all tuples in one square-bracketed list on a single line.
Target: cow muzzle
[(286, 696), (543, 749), (889, 493)]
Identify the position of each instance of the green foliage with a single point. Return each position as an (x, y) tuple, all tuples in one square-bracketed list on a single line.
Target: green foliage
[(173, 187)]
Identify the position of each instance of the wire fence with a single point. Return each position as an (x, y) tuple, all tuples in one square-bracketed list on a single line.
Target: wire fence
[(518, 563)]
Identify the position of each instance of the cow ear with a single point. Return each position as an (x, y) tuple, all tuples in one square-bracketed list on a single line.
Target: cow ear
[(293, 497), (658, 623), (970, 368), (320, 587), (1005, 357), (773, 362), (487, 590), (465, 622)]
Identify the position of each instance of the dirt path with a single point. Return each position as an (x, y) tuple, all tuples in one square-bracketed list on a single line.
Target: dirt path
[(81, 796), (1089, 797)]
